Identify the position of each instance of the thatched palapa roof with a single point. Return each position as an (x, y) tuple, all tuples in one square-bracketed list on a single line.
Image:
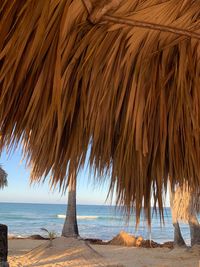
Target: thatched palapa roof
[(126, 86)]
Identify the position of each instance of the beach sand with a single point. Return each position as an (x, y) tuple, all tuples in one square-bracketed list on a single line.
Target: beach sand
[(78, 253)]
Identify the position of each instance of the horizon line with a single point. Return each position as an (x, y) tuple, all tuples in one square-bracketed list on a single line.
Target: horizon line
[(78, 204)]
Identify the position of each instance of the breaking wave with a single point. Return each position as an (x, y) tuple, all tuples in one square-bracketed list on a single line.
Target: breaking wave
[(91, 217)]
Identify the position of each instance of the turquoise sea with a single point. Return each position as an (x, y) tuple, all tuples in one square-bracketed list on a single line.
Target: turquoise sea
[(103, 222)]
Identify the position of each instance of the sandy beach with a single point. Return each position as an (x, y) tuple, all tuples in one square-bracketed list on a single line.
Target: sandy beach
[(78, 253)]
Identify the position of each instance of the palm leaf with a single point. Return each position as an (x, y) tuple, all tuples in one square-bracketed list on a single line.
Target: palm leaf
[(128, 94), (3, 178)]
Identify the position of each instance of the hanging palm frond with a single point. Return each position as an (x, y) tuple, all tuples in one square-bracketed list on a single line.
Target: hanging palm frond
[(123, 81), (3, 178)]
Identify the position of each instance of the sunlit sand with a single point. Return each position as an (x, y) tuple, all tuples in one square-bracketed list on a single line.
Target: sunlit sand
[(78, 253)]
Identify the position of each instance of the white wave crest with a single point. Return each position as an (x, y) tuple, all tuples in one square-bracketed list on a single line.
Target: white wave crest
[(87, 217), (62, 216)]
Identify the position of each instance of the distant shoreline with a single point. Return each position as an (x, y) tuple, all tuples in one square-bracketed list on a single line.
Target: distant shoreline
[(94, 241), (65, 204)]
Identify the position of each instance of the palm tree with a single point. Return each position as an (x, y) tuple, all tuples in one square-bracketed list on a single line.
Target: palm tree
[(3, 178), (3, 228), (184, 206), (70, 228), (194, 230), (194, 209), (120, 77), (178, 239)]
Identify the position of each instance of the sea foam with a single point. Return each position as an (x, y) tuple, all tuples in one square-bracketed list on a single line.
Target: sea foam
[(79, 217)]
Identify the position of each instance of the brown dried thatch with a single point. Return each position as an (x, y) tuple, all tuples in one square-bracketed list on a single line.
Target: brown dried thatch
[(184, 203), (127, 87), (3, 178), (123, 239)]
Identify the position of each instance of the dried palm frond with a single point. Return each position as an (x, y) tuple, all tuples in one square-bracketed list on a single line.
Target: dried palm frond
[(70, 81), (3, 178), (184, 203)]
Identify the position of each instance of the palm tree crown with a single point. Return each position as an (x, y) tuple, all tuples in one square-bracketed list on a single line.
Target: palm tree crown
[(3, 178)]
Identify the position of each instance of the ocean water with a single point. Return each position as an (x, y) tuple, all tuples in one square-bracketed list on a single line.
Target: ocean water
[(103, 222)]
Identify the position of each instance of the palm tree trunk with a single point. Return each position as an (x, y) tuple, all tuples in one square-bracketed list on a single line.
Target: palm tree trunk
[(70, 228), (194, 230), (178, 239), (3, 245)]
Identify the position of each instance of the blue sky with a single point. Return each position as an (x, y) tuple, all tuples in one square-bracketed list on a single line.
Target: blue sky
[(19, 189)]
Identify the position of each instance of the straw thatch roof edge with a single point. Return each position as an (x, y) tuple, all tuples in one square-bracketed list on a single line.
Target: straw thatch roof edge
[(131, 95)]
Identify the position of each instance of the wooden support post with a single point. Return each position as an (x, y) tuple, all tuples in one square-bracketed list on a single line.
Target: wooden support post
[(3, 245)]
